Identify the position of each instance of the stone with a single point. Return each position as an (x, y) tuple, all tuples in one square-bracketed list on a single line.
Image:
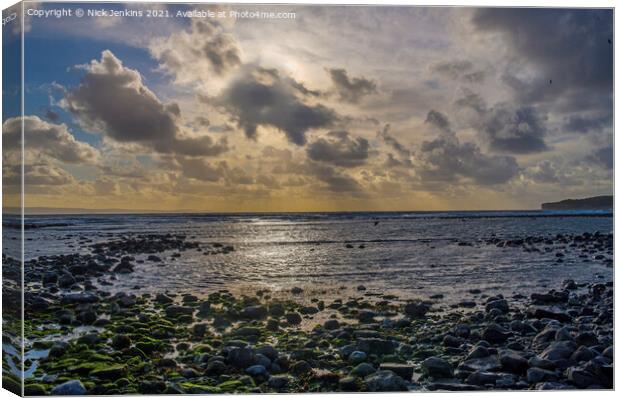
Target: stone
[(175, 311), (581, 377), (583, 354), (66, 280), (277, 382), (71, 387), (216, 367), (384, 381), (537, 375), (549, 312), (121, 342), (348, 384), (513, 362), (268, 351), (501, 305), (257, 371), (363, 369), (416, 310), (558, 351), (487, 364), (357, 357), (478, 352), (331, 324), (481, 378), (494, 333), (301, 368), (366, 316), (79, 298), (403, 370), (293, 318), (451, 386), (163, 299), (241, 357), (254, 312), (437, 367), (376, 346)]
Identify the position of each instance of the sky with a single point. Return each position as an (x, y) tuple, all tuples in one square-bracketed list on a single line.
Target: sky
[(340, 108)]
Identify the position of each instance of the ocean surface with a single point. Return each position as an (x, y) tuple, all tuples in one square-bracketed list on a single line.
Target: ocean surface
[(408, 254)]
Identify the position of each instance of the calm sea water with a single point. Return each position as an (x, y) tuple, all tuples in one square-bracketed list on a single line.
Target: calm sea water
[(410, 254)]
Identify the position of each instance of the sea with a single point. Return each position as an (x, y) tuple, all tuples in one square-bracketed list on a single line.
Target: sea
[(408, 254)]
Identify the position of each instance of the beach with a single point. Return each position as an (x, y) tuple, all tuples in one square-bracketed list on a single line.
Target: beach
[(316, 302)]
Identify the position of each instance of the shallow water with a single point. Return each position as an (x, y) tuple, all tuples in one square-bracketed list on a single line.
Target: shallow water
[(408, 254)]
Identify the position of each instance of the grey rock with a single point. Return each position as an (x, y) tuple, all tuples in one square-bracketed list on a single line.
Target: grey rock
[(501, 305), (71, 387), (513, 362), (293, 318), (357, 357), (383, 381), (437, 367), (254, 312), (403, 370), (241, 358), (416, 310), (363, 369), (494, 333), (481, 378), (537, 375)]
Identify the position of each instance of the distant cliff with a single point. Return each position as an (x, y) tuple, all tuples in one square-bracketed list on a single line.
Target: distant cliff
[(594, 203)]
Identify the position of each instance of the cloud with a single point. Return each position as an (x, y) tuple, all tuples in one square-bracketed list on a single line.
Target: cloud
[(604, 157), (39, 173), (339, 149), (201, 169), (205, 49), (262, 97), (447, 159), (351, 89), (544, 172), (384, 134), (53, 140), (459, 70), (112, 99), (334, 180), (547, 40), (587, 124), (439, 120), (518, 131), (509, 129)]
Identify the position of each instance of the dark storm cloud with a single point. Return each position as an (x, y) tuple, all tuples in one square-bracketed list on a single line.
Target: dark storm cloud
[(263, 97), (351, 89), (112, 99), (447, 159), (339, 149), (570, 49), (518, 131)]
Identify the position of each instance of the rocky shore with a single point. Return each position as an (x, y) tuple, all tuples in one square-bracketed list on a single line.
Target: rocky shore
[(82, 339)]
